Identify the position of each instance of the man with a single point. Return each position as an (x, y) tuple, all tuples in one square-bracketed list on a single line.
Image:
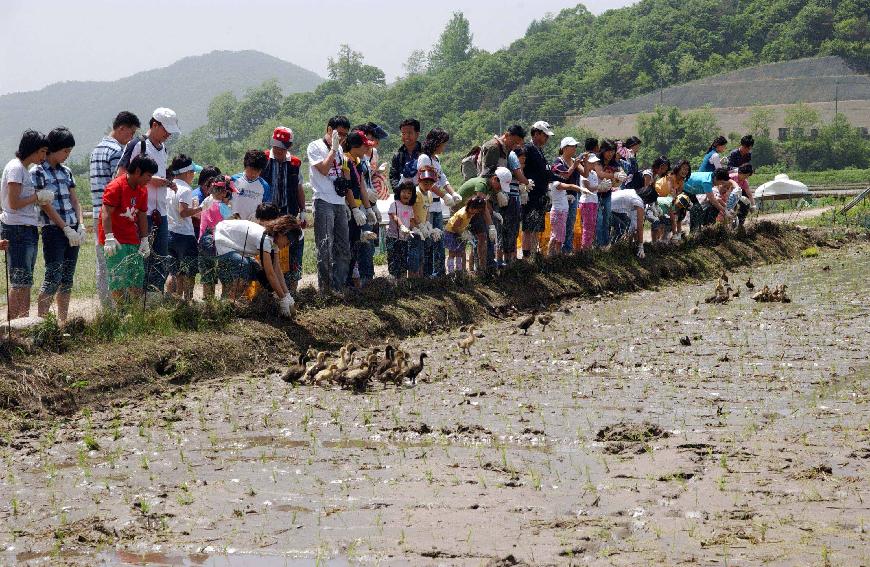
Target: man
[(404, 162), (163, 124), (629, 209), (537, 171), (283, 173), (743, 154), (326, 158), (742, 201), (103, 164), (494, 153), (482, 226), (702, 183)]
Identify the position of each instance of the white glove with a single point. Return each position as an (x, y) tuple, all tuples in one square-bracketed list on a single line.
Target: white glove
[(83, 233), (501, 198), (373, 196), (466, 236), (753, 208), (493, 235), (404, 229), (359, 216), (640, 253), (44, 196), (744, 199), (287, 306), (301, 217), (110, 248), (144, 247), (371, 218), (437, 233), (531, 184), (497, 216), (605, 185), (71, 235), (194, 202), (335, 140), (368, 236), (524, 198), (447, 199), (620, 176), (571, 198)]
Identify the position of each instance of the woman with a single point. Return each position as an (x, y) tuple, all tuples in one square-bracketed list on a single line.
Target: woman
[(61, 223), (239, 242), (567, 169), (610, 175), (21, 203), (713, 158), (442, 202)]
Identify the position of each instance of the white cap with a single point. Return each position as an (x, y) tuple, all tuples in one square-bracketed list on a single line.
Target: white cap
[(168, 119), (543, 126), (504, 177), (569, 141), (593, 158)]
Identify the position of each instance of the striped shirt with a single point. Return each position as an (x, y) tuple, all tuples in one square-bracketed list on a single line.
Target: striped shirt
[(104, 163), (58, 179)]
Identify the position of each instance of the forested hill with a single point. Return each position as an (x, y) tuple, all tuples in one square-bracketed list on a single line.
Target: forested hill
[(187, 86)]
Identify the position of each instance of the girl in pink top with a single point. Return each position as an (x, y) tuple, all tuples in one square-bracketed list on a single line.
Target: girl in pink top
[(221, 190)]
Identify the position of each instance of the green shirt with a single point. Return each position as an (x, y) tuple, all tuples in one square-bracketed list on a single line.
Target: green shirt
[(474, 185)]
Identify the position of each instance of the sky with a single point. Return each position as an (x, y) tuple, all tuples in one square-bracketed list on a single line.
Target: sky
[(51, 40)]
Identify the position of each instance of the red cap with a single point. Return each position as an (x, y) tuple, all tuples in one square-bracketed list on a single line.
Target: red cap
[(282, 137)]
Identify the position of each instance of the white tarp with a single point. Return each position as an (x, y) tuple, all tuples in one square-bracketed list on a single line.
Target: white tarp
[(782, 188)]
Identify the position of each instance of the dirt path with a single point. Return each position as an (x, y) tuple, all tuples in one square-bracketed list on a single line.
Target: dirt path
[(795, 216), (601, 440)]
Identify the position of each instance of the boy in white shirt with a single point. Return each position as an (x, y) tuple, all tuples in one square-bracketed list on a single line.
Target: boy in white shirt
[(253, 189), (181, 208)]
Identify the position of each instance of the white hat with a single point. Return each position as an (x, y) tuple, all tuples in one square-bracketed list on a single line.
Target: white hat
[(569, 141), (504, 178), (593, 158), (168, 119), (543, 126)]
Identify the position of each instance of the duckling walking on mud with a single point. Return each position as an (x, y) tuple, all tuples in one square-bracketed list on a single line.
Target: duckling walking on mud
[(468, 342)]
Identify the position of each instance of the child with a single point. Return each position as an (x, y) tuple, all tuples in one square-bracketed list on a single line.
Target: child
[(123, 228), (456, 233), (184, 264), (558, 217), (222, 189), (588, 197), (402, 221), (252, 189), (567, 169), (202, 192)]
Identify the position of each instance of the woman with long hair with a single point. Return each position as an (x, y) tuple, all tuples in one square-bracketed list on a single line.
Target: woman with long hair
[(610, 176), (443, 199), (713, 158)]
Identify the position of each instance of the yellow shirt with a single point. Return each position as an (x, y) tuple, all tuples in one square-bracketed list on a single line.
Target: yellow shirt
[(459, 221), (663, 187), (421, 206)]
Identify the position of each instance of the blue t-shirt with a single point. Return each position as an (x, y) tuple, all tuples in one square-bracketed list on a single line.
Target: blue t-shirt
[(699, 182)]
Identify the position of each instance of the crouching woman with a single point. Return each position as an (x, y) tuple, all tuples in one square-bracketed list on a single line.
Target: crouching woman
[(239, 242)]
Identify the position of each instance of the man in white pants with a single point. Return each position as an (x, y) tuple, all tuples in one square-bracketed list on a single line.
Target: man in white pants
[(103, 167)]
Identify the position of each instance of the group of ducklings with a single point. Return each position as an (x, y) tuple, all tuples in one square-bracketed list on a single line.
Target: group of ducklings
[(725, 293), (355, 370)]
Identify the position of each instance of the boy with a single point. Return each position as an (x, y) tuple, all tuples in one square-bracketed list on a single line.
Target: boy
[(123, 227), (482, 225), (742, 201), (743, 154), (362, 219), (252, 189), (702, 183), (182, 242)]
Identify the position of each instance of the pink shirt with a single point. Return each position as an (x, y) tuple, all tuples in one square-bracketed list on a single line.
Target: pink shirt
[(403, 212), (210, 218)]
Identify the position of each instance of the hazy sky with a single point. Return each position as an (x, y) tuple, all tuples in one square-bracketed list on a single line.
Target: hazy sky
[(51, 40)]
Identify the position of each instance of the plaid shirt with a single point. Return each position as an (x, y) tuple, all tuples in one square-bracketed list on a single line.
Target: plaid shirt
[(60, 180), (104, 163)]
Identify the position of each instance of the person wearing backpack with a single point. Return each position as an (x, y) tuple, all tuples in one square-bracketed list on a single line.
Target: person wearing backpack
[(403, 166)]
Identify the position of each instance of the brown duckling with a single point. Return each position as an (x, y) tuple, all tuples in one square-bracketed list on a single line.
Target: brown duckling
[(414, 370), (468, 342), (297, 371)]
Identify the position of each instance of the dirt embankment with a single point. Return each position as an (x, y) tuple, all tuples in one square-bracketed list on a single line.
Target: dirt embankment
[(97, 373)]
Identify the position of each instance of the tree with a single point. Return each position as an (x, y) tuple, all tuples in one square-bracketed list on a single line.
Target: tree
[(348, 68), (221, 114), (260, 104), (416, 63), (453, 46), (759, 122)]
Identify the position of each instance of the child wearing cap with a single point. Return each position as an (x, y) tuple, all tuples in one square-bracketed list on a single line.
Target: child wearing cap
[(184, 261), (251, 188), (589, 195), (456, 233), (222, 189), (402, 222), (567, 170), (425, 238)]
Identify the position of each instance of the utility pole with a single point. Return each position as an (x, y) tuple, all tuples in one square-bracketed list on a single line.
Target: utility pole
[(836, 97)]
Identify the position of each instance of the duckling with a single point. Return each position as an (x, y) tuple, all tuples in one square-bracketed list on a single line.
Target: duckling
[(394, 373), (749, 284), (346, 356), (413, 371), (527, 323), (736, 293), (695, 310), (327, 375), (355, 374), (468, 342), (724, 277), (720, 287), (686, 341), (295, 372), (318, 365), (783, 296), (545, 319), (724, 298), (387, 362), (763, 295)]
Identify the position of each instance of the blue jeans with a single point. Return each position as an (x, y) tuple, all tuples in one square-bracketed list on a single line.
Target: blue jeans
[(602, 228), (60, 261), (21, 257), (433, 252), (208, 264), (157, 264), (297, 251), (233, 266), (415, 253), (621, 225), (362, 253), (568, 245)]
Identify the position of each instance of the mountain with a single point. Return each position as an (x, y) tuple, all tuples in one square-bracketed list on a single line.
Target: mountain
[(187, 86)]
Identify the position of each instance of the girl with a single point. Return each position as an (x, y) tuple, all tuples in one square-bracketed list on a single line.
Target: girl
[(61, 222), (456, 233), (182, 242), (611, 175), (217, 210), (713, 158), (443, 199), (238, 242), (558, 216), (402, 221), (566, 169), (589, 200), (20, 202)]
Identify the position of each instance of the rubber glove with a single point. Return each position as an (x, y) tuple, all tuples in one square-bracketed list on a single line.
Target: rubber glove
[(144, 247), (44, 196), (110, 248), (71, 235), (287, 306), (493, 235), (359, 216), (501, 198), (371, 218)]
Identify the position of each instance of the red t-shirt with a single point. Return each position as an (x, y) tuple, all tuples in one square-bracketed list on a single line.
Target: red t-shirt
[(127, 202)]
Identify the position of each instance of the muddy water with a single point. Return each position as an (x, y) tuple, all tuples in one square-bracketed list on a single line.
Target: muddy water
[(600, 440)]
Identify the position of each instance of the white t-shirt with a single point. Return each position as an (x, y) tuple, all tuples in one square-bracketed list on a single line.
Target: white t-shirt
[(157, 197), (184, 194), (558, 198), (591, 183), (15, 172), (251, 194), (241, 236), (625, 201), (322, 185)]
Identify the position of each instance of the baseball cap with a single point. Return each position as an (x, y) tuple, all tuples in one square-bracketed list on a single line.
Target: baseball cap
[(282, 137), (428, 174), (504, 177), (569, 141), (168, 119), (592, 158), (380, 133), (543, 126)]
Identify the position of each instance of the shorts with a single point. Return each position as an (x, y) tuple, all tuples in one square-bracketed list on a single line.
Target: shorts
[(453, 242), (126, 268), (478, 225), (21, 256), (60, 261), (183, 253), (208, 264), (558, 224), (533, 219)]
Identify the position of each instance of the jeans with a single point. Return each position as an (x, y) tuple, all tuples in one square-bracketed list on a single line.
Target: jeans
[(60, 261), (568, 245), (102, 274), (433, 252), (621, 225), (362, 253), (415, 253), (297, 250), (21, 256), (602, 228), (157, 264), (397, 257), (332, 244)]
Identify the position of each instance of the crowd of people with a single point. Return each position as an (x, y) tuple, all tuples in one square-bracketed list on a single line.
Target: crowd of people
[(160, 223)]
